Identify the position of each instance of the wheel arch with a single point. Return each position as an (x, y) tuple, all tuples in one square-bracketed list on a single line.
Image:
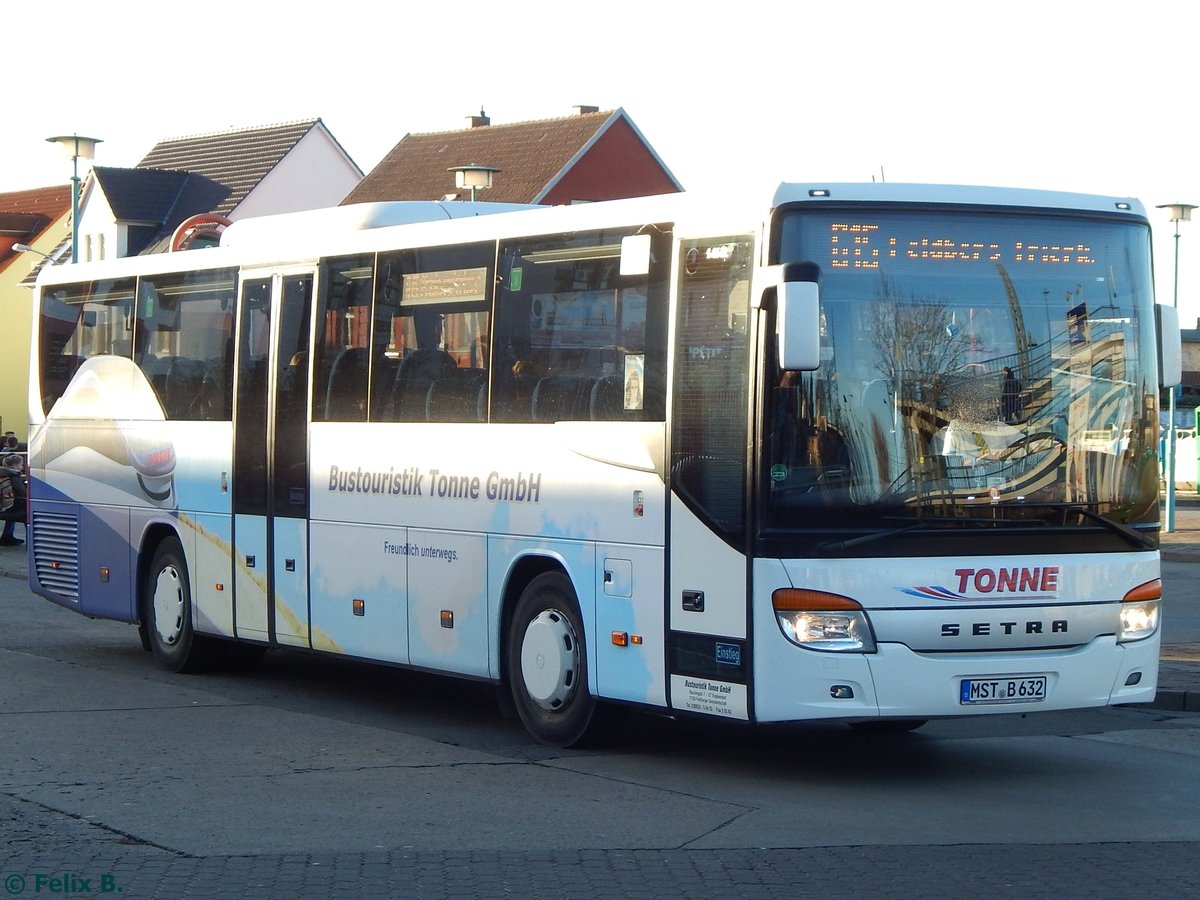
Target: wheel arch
[(152, 538), (523, 570)]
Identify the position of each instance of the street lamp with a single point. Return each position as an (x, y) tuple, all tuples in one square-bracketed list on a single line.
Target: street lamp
[(1180, 212), (477, 178), (76, 147), (25, 248)]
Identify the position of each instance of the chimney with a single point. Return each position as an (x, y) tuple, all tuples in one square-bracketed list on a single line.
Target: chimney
[(584, 110), (478, 121)]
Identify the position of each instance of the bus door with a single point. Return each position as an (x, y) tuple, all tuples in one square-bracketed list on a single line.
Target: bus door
[(270, 477), (708, 613)]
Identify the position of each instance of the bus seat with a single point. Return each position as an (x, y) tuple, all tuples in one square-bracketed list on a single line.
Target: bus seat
[(461, 398), (410, 398), (346, 394), (211, 402), (561, 397), (607, 401), (383, 380), (182, 383)]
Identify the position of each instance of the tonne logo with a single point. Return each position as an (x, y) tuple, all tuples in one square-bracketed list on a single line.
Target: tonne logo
[(1030, 583)]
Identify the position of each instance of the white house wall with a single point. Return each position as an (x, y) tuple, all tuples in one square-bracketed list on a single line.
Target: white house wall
[(315, 174), (100, 237)]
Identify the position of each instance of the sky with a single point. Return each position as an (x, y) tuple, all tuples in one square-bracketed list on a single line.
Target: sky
[(1093, 97)]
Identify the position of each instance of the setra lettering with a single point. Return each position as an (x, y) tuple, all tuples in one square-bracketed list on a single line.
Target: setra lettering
[(985, 629)]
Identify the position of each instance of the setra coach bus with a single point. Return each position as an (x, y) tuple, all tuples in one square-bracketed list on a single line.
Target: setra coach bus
[(873, 453)]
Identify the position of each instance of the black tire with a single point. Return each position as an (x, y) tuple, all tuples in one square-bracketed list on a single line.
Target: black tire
[(167, 612), (546, 664)]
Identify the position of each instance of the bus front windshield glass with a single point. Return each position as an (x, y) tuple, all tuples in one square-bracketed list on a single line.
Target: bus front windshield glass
[(973, 365)]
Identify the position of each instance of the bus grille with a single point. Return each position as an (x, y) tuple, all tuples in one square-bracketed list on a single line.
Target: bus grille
[(56, 553)]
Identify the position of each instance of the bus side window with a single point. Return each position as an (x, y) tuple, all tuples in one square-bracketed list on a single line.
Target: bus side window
[(341, 342), (182, 341), (80, 321), (431, 332), (577, 338)]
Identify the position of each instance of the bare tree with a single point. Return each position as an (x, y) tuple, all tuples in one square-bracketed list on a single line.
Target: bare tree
[(918, 348)]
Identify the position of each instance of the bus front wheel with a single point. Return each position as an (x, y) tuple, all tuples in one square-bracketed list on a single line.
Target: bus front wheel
[(546, 664), (167, 611)]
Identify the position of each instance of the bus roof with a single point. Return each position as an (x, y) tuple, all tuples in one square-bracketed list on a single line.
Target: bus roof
[(356, 228), (964, 195)]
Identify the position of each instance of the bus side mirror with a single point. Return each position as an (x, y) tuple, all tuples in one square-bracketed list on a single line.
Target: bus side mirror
[(798, 325), (1170, 349)]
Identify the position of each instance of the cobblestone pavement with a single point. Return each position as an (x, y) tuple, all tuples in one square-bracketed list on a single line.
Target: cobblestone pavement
[(38, 842)]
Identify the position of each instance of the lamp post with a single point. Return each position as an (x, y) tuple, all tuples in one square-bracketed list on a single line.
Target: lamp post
[(76, 147), (1180, 212), (477, 178)]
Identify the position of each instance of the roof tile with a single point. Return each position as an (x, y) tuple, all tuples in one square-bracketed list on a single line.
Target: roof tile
[(529, 156), (47, 201), (238, 159)]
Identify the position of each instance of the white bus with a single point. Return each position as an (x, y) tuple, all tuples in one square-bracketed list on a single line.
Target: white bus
[(872, 453)]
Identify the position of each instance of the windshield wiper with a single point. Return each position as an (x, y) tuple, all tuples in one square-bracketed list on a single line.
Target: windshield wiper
[(829, 547), (1132, 535)]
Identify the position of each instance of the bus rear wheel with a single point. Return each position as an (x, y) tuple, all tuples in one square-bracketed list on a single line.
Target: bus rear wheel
[(546, 664), (167, 612)]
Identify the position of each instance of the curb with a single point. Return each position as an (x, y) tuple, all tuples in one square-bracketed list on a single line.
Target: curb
[(1176, 701), (1183, 556)]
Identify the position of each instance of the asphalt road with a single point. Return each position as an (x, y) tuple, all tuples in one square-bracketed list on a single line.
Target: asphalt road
[(1181, 614), (316, 777)]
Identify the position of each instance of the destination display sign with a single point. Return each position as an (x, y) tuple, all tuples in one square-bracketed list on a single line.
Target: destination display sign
[(867, 245)]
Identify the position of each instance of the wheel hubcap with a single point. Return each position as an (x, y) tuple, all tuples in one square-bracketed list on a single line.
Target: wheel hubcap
[(550, 659), (168, 605)]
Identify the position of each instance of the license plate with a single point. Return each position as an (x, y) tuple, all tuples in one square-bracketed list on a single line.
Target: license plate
[(1003, 689)]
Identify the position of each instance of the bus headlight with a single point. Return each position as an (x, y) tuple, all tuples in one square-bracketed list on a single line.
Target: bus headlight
[(821, 621), (1139, 612)]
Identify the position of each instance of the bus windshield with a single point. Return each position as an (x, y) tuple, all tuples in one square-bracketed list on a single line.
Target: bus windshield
[(973, 365)]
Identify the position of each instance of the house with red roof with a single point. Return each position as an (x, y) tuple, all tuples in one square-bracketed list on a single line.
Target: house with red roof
[(587, 156)]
